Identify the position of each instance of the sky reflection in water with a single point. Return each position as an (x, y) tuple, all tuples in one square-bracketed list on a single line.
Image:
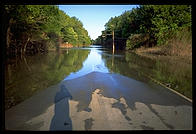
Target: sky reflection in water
[(94, 62)]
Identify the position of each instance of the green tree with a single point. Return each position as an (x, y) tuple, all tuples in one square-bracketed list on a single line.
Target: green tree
[(41, 25)]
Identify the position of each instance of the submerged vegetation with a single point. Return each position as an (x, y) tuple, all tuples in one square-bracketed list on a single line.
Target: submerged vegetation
[(38, 28), (153, 25), (165, 70)]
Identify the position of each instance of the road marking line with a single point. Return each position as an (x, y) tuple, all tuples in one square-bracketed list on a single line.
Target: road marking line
[(170, 89)]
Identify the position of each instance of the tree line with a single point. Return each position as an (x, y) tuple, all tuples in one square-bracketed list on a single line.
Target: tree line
[(149, 25), (37, 28)]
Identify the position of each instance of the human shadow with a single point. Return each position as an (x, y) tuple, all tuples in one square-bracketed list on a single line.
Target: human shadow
[(61, 119)]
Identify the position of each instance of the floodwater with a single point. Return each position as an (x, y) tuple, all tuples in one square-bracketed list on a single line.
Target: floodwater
[(30, 74), (92, 88)]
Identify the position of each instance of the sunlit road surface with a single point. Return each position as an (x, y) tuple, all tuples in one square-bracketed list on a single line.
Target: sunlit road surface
[(101, 101)]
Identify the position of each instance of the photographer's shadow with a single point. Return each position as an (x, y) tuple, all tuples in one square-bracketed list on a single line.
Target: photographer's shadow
[(61, 119)]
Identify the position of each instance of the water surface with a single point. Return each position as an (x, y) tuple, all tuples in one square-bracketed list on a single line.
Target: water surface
[(31, 74)]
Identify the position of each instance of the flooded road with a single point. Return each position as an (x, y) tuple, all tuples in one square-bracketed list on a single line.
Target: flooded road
[(97, 90)]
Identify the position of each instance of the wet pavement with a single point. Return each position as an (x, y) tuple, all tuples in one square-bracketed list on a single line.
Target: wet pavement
[(96, 99)]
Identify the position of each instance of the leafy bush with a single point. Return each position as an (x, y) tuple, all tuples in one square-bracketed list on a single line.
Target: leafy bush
[(136, 40)]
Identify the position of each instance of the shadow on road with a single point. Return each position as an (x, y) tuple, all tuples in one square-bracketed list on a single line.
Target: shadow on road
[(61, 119)]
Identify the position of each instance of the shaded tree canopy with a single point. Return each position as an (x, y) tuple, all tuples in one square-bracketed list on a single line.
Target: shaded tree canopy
[(149, 25), (41, 27)]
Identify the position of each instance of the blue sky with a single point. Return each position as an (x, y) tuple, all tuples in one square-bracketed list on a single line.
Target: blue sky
[(94, 17)]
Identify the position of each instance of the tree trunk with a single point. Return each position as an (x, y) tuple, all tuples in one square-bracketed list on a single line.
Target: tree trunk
[(8, 38), (5, 28), (24, 58), (25, 46)]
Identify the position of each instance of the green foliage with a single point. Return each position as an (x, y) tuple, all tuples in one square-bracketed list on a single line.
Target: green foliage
[(135, 41), (43, 22), (162, 22), (132, 41), (70, 35), (159, 22), (74, 33), (168, 20), (98, 40)]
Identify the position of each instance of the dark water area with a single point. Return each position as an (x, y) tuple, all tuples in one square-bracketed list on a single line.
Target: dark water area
[(25, 77), (31, 74)]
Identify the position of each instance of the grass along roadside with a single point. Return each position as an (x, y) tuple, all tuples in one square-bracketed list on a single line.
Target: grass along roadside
[(171, 54), (177, 47), (182, 53)]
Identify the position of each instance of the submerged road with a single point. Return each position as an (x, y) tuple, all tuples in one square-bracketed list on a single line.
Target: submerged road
[(101, 101), (95, 98)]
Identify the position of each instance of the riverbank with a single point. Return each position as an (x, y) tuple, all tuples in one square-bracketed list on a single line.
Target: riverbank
[(66, 45), (167, 52)]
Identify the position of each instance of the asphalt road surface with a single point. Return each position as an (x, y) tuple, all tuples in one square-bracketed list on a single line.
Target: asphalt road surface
[(101, 101)]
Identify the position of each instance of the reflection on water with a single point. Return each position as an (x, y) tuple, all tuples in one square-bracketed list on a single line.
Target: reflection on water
[(173, 73), (176, 74), (94, 62), (25, 77)]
